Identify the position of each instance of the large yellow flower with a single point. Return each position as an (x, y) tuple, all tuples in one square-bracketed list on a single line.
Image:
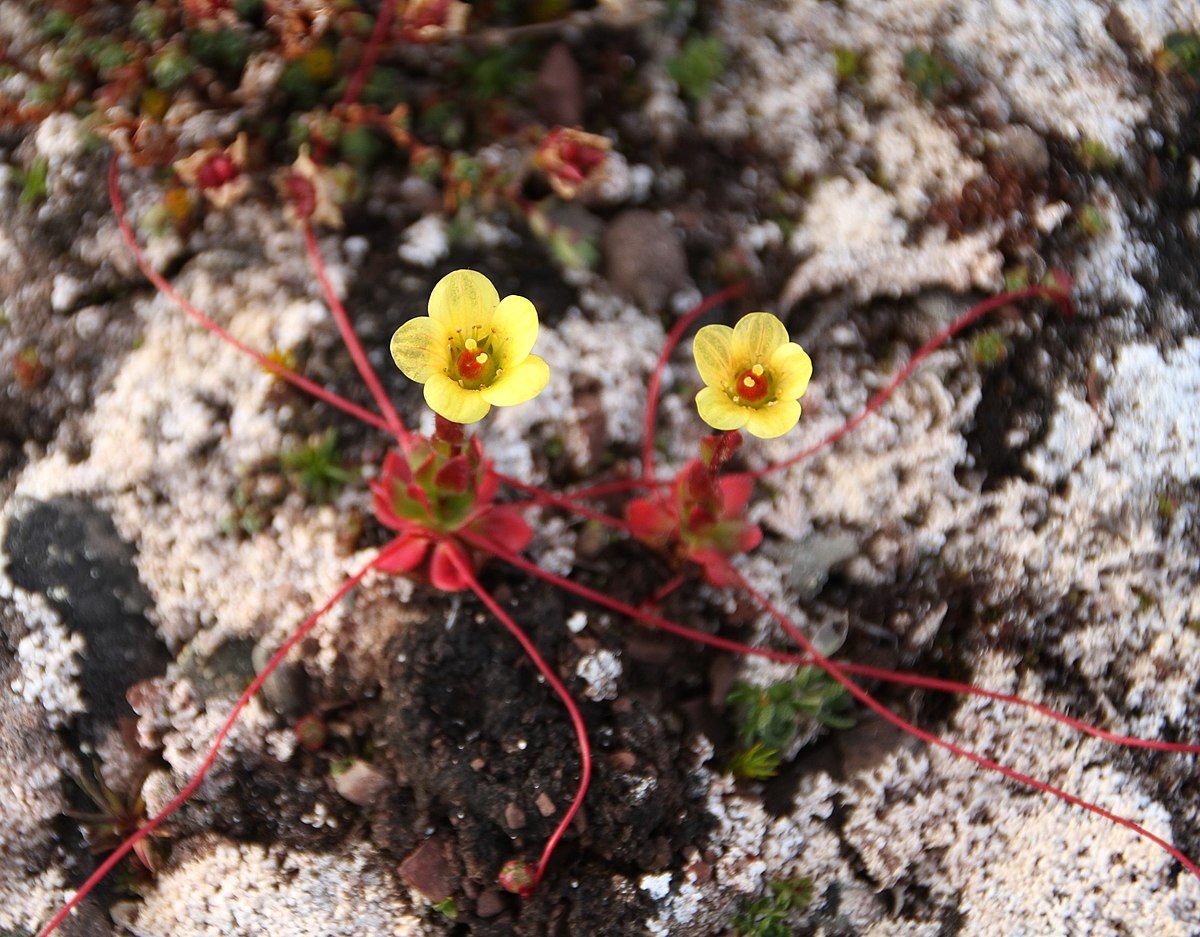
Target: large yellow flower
[(473, 349), (754, 376)]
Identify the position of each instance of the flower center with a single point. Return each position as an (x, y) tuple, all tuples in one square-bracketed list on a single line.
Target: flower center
[(474, 366), (751, 385), (216, 171)]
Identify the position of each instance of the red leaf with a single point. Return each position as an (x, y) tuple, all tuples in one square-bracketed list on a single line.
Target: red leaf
[(504, 526), (410, 551), (396, 466), (717, 568), (650, 522), (416, 493), (454, 476), (698, 484), (750, 537), (735, 494), (445, 568), (385, 513)]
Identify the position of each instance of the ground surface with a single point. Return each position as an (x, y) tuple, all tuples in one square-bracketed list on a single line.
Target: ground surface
[(1024, 514)]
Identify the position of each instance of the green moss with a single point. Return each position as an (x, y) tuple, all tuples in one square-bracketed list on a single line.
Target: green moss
[(360, 146), (149, 22), (770, 716), (699, 64), (931, 73), (1016, 278), (989, 348), (1095, 155), (60, 25), (171, 67), (35, 182), (226, 50), (1183, 52), (769, 916), (847, 64), (316, 467), (756, 763)]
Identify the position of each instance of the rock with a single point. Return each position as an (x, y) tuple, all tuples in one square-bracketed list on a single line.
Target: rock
[(814, 558), (1024, 150), (361, 784), (514, 816), (545, 805), (428, 870), (286, 690), (644, 258), (558, 89), (68, 551), (489, 904)]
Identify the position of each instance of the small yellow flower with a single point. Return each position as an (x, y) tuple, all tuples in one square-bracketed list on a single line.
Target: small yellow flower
[(754, 376), (472, 351)]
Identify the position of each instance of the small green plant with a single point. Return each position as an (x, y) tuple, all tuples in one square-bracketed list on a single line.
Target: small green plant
[(847, 64), (770, 717), (1095, 155), (1091, 221), (701, 61), (768, 916), (35, 182), (989, 347), (756, 763), (448, 907), (931, 73), (115, 817), (317, 467), (1016, 278), (1181, 50)]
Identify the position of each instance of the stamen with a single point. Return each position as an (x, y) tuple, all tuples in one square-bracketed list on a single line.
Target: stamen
[(481, 358), (749, 381), (471, 344), (757, 370)]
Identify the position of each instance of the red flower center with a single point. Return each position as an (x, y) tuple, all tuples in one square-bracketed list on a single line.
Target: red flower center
[(472, 361), (303, 194), (216, 171), (752, 384)]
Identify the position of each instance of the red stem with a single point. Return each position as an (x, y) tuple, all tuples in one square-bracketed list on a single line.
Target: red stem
[(543, 498), (164, 287), (214, 750), (585, 750), (655, 385), (649, 619), (967, 318), (395, 425), (363, 69), (838, 673)]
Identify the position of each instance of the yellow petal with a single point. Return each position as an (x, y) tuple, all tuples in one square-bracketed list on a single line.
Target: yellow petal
[(516, 385), (462, 300), (718, 411), (755, 338), (775, 420), (515, 329), (420, 348), (791, 367), (713, 351), (457, 405)]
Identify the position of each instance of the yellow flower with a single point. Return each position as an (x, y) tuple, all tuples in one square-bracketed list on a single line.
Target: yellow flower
[(472, 351), (754, 376)]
